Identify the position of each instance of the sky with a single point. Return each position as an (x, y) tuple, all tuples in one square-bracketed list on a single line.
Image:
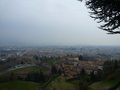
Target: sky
[(51, 22)]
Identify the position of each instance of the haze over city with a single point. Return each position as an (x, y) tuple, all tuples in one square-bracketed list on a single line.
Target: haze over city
[(50, 22)]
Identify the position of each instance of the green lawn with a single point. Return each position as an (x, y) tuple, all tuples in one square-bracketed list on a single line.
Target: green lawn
[(59, 83), (51, 61), (30, 68), (103, 85), (19, 85)]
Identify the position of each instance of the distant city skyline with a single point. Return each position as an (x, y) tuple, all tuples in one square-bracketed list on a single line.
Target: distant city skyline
[(50, 22)]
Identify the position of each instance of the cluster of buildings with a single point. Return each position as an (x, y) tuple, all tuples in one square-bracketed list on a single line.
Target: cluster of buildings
[(6, 53), (71, 66), (92, 52), (69, 61)]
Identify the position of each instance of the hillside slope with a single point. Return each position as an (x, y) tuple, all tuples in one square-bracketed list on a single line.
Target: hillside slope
[(19, 85), (103, 85)]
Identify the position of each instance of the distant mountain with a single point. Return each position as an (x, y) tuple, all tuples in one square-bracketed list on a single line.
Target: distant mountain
[(11, 42)]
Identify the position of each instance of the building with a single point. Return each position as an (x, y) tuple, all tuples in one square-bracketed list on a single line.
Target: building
[(22, 74)]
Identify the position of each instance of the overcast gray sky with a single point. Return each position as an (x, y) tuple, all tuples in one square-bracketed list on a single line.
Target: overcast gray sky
[(64, 22)]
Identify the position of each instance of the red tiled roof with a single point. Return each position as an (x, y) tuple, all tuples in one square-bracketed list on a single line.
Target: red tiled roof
[(83, 62), (90, 68), (48, 72), (99, 63), (70, 74), (22, 73)]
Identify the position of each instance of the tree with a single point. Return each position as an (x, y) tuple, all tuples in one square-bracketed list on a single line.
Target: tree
[(99, 75), (80, 57), (115, 64), (108, 68), (35, 57), (92, 76), (22, 62), (107, 11), (13, 77), (54, 70), (42, 76), (82, 73), (60, 72), (28, 78)]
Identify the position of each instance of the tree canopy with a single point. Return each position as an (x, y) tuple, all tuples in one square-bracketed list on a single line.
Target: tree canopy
[(106, 11)]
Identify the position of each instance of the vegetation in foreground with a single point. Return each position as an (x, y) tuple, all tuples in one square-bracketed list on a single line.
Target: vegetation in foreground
[(108, 78), (19, 85), (59, 83), (103, 85)]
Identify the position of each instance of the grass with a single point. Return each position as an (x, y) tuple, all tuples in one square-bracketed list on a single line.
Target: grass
[(59, 83), (118, 88), (103, 85), (30, 68), (90, 89), (75, 82), (19, 85), (51, 61)]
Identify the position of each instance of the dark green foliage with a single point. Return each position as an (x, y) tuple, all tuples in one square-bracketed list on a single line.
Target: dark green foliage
[(60, 72), (71, 79), (114, 76), (20, 78), (79, 77), (107, 11), (13, 77), (80, 57), (99, 75), (115, 86), (35, 57), (46, 83), (19, 85), (82, 72), (86, 79), (35, 77), (22, 62), (54, 70), (107, 68), (115, 64), (111, 70), (28, 78), (83, 85), (92, 76), (41, 76), (2, 62)]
